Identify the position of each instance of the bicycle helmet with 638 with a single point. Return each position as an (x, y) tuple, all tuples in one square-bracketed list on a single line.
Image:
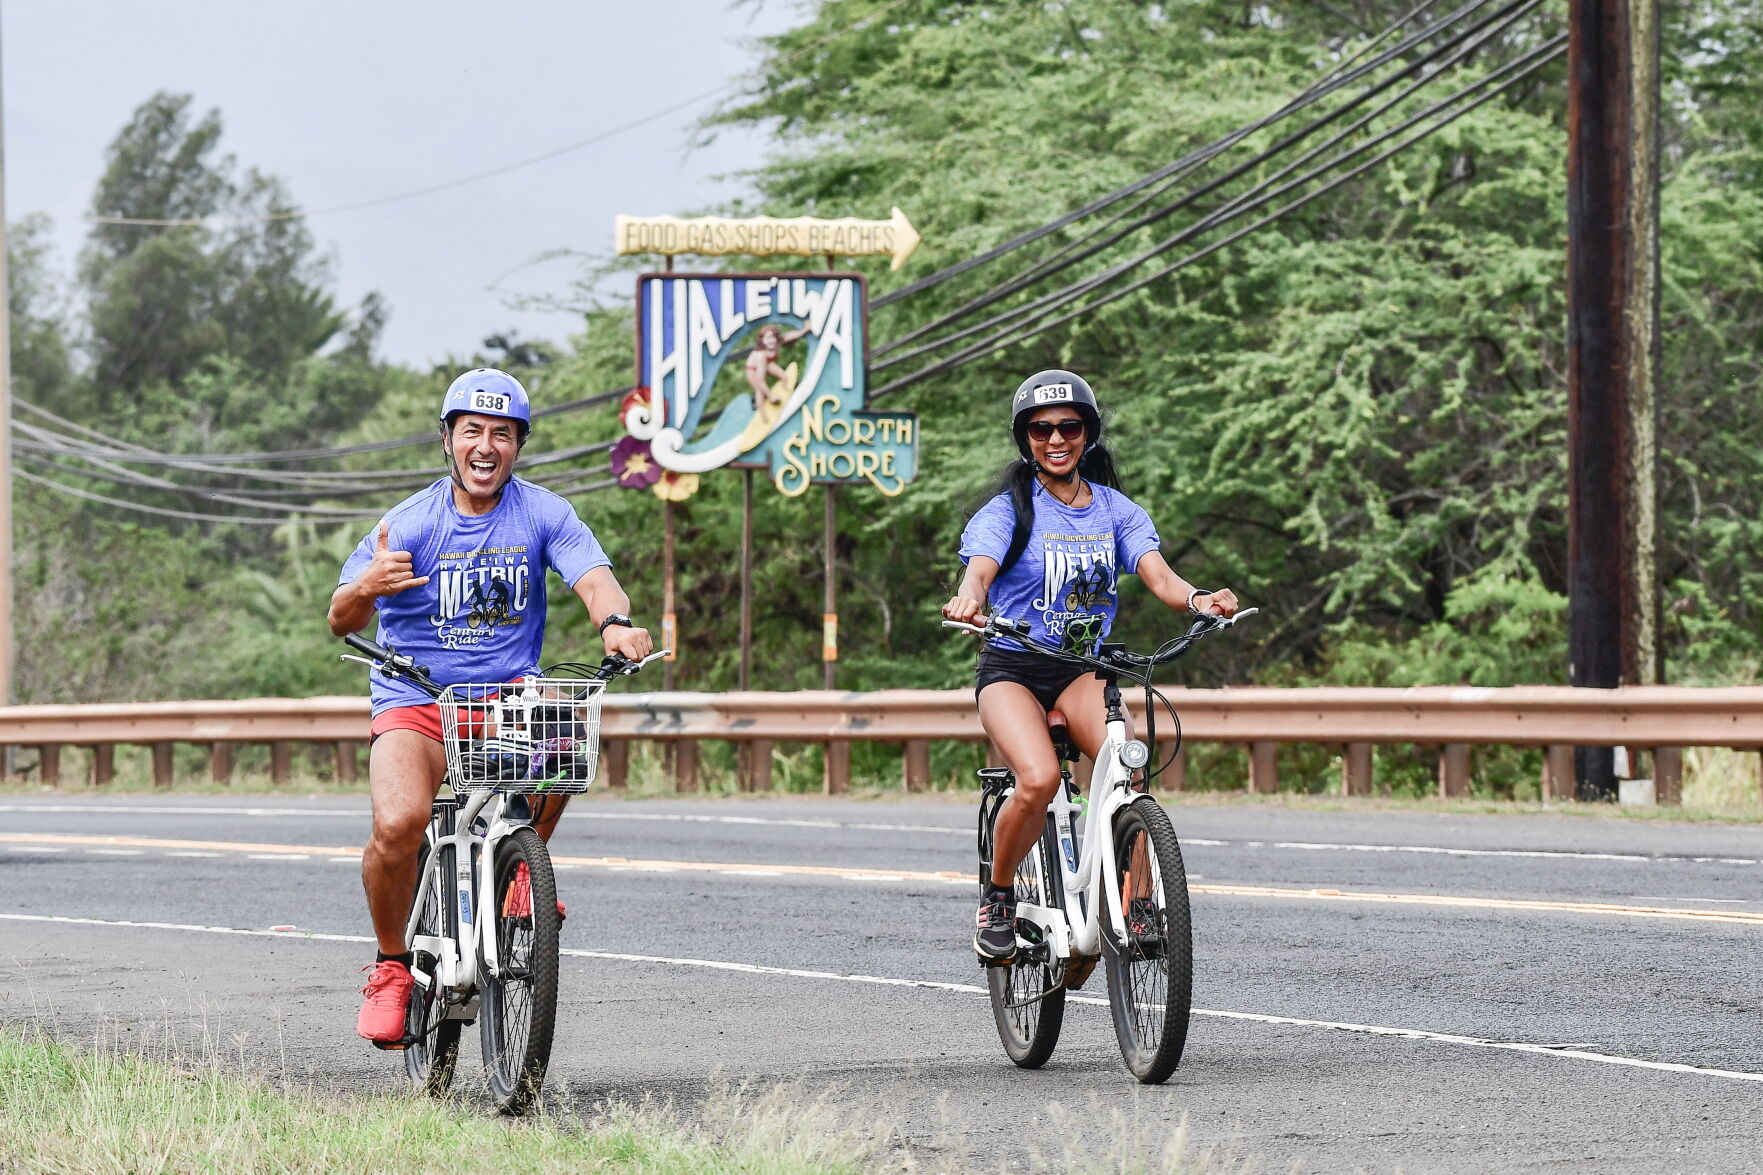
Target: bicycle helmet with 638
[(488, 392)]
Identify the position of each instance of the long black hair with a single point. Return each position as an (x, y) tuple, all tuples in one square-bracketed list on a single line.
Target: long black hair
[(1018, 480)]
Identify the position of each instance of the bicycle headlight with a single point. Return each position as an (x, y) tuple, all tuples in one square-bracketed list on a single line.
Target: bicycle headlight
[(1134, 753)]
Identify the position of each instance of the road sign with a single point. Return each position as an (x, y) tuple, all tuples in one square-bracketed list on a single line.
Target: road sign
[(803, 236)]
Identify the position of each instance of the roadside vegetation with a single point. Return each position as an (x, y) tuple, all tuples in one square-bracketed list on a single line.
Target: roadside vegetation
[(113, 1112), (1354, 417), (110, 1111)]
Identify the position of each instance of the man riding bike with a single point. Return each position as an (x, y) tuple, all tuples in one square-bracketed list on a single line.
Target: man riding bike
[(479, 534), (1048, 547)]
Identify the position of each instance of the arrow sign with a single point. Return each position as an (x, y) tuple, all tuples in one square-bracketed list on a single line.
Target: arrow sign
[(804, 236)]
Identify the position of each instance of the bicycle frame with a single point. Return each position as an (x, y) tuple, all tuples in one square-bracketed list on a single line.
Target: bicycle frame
[(1086, 864), (466, 874)]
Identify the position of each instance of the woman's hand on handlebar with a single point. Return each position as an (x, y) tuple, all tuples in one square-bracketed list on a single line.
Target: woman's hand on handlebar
[(631, 643), (964, 610), (1222, 602)]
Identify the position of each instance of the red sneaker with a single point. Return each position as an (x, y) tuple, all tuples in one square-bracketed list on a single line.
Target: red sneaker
[(518, 901), (388, 999)]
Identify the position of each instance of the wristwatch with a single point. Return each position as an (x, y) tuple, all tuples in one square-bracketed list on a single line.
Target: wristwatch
[(616, 618)]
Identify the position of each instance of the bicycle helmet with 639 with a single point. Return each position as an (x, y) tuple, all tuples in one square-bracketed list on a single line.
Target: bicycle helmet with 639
[(1046, 389)]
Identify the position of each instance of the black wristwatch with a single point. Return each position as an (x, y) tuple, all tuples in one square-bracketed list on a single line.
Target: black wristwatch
[(616, 618)]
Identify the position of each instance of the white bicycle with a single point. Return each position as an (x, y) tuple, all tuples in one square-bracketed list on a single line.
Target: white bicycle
[(1105, 880), (508, 746)]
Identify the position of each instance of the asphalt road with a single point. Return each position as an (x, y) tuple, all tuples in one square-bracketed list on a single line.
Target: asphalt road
[(1377, 991)]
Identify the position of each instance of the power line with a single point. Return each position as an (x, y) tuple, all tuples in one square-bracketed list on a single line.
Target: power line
[(1073, 254), (502, 169), (1547, 53)]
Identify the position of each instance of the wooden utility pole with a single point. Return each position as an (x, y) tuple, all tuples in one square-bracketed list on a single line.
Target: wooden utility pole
[(7, 658), (1612, 355)]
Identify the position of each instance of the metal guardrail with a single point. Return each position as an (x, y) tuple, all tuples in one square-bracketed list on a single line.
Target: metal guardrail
[(1663, 719)]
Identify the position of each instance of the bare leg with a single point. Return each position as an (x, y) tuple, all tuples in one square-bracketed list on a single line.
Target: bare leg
[(1014, 720), (404, 769), (547, 811), (1086, 716)]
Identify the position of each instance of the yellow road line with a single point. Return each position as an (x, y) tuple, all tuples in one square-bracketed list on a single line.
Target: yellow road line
[(853, 873), (633, 863)]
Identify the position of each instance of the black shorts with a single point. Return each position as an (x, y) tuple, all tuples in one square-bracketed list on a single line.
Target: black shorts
[(1045, 678)]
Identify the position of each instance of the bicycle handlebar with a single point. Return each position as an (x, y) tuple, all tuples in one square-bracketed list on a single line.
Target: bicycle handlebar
[(1111, 658), (395, 664)]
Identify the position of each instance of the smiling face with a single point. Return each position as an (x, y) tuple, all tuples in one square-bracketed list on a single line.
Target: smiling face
[(481, 450), (770, 338), (1057, 453)]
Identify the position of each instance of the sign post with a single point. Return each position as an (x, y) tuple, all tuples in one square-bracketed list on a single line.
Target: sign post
[(759, 371)]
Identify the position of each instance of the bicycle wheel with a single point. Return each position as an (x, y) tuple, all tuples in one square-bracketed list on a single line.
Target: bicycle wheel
[(1151, 970), (520, 1000), (1028, 998), (434, 1039)]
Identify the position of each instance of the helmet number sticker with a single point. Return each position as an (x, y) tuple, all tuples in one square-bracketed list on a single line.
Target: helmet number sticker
[(1053, 394), (489, 402)]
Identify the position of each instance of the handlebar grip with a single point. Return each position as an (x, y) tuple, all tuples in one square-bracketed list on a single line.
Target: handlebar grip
[(372, 648)]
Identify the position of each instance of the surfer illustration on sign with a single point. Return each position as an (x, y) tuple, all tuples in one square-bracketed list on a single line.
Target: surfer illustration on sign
[(762, 367)]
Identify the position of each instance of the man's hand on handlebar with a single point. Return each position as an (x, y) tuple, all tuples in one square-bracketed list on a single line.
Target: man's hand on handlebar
[(631, 643), (964, 610)]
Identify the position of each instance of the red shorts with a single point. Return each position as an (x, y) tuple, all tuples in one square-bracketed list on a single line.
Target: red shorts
[(424, 720)]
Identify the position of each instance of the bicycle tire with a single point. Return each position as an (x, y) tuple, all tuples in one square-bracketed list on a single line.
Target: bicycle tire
[(1151, 970), (433, 1051), (1028, 995), (519, 1011)]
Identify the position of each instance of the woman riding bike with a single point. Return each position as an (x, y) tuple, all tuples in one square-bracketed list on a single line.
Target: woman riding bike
[(1048, 547)]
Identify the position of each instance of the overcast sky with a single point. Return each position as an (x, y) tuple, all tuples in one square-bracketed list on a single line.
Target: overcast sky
[(349, 100)]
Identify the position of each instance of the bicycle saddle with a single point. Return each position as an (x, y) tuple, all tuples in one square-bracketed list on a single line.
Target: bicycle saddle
[(1062, 744)]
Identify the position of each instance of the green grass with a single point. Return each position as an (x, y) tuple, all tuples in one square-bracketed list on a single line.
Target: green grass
[(106, 1110)]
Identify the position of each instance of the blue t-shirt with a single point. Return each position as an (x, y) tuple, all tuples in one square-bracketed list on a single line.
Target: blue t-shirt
[(1066, 583), (481, 615)]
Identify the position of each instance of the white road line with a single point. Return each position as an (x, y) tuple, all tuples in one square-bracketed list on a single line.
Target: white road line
[(190, 853), (277, 857), (116, 852), (940, 829), (1568, 1052), (36, 849)]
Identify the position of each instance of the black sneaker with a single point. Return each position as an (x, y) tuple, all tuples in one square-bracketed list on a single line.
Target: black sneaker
[(1144, 928), (995, 939)]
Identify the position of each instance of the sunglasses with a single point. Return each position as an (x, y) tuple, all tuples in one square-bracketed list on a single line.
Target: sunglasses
[(1071, 428)]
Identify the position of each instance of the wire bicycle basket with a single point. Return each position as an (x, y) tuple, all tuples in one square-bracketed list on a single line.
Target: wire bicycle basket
[(538, 735)]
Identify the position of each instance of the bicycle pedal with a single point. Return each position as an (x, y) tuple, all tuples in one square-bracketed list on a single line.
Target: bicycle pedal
[(392, 1046), (985, 963)]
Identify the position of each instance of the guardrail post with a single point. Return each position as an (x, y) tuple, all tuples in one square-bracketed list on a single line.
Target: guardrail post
[(838, 767), (162, 764), (1558, 782), (49, 764), (685, 765), (1356, 770), (1175, 776), (1668, 775), (915, 764), (103, 764), (1263, 768), (279, 755), (1453, 770), (615, 763), (343, 758), (220, 762), (758, 773)]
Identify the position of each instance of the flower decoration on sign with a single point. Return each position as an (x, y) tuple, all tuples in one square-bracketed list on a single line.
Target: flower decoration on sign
[(633, 465), (634, 413), (676, 487)]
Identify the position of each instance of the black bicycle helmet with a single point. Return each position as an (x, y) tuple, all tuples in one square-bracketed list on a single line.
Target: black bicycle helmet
[(1049, 387)]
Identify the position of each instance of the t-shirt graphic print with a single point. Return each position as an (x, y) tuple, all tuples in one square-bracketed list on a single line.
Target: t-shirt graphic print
[(1067, 582)]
